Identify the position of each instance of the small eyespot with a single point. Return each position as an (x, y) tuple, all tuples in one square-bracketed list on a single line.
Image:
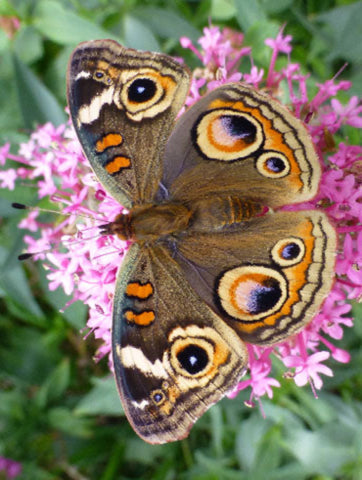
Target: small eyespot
[(288, 252), (158, 396), (193, 359), (273, 165), (99, 75), (142, 90)]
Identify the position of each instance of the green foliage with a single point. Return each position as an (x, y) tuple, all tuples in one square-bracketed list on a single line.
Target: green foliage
[(59, 411)]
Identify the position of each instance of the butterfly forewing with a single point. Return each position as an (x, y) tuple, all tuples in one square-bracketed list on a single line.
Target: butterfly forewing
[(123, 104)]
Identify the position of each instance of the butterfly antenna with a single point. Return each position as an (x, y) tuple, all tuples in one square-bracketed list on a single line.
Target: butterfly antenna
[(71, 242), (21, 206)]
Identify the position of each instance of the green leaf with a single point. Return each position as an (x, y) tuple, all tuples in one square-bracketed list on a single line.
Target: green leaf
[(256, 36), (28, 44), (222, 9), (37, 103), (248, 13), (64, 420), (138, 35), (166, 23), (319, 452), (64, 26), (13, 281), (55, 385), (103, 399), (345, 25), (275, 6), (248, 440)]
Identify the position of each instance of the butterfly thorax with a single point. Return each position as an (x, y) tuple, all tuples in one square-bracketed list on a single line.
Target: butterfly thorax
[(149, 222)]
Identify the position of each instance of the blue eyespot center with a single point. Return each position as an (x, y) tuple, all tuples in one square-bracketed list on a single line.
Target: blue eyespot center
[(275, 164), (264, 297), (291, 251), (238, 126), (157, 397)]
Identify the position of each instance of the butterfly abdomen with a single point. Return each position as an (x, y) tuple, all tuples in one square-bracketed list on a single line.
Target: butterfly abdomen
[(215, 213)]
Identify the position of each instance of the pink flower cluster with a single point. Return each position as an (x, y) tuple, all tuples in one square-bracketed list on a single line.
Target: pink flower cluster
[(9, 468), (86, 263)]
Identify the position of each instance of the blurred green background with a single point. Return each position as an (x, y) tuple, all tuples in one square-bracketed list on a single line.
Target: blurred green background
[(59, 412)]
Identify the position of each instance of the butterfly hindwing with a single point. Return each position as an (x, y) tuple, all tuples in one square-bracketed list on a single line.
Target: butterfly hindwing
[(173, 357), (268, 277)]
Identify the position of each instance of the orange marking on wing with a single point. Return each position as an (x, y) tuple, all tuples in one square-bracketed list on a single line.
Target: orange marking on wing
[(138, 290), (117, 164), (110, 140), (142, 319), (296, 276), (221, 140)]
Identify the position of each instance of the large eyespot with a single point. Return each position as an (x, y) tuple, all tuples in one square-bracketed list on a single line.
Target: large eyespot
[(141, 90), (227, 134), (288, 252), (196, 354), (193, 359), (250, 293), (192, 356), (273, 165), (146, 93)]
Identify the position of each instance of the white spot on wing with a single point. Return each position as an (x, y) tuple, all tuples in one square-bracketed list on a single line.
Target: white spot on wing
[(89, 113), (82, 75), (141, 404), (132, 357)]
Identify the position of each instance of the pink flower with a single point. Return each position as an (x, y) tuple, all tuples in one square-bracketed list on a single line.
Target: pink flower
[(308, 369), (11, 468), (350, 114), (254, 77), (280, 43)]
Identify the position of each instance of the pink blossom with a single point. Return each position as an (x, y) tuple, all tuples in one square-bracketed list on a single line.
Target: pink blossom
[(10, 468), (254, 77), (350, 113), (308, 369), (4, 152), (7, 179), (281, 43)]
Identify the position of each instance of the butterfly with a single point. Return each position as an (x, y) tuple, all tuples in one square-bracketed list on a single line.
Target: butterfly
[(208, 268)]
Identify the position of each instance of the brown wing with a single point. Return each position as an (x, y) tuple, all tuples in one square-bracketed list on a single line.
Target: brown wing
[(173, 357), (241, 142), (123, 104)]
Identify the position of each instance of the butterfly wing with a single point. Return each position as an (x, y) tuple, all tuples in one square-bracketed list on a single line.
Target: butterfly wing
[(173, 357), (239, 140), (123, 104), (266, 279)]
